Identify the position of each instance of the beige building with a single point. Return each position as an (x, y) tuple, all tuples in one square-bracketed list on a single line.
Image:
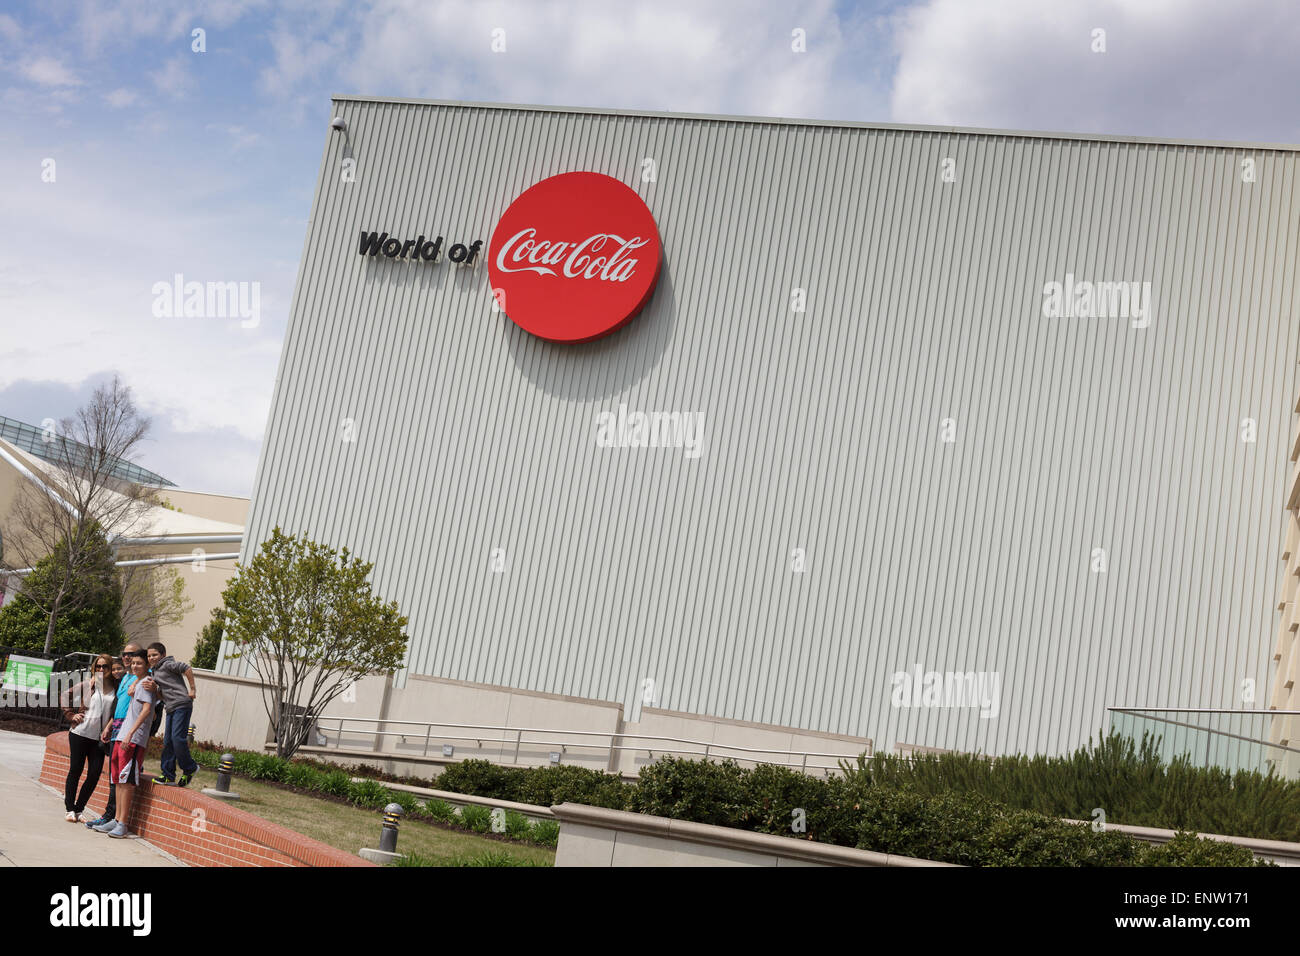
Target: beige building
[(1284, 695), (196, 533)]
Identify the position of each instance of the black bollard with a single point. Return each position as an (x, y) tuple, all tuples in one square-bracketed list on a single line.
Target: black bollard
[(224, 769), (388, 835), (222, 790)]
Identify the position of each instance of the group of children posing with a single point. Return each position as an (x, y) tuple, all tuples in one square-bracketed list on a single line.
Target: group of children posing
[(113, 714)]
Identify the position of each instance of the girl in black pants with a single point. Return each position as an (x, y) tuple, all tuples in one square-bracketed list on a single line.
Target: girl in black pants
[(89, 707), (115, 675)]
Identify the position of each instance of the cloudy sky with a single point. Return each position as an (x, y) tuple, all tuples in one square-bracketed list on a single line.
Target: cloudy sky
[(127, 156)]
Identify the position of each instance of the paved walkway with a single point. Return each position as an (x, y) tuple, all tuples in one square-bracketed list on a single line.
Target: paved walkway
[(33, 831), (22, 752)]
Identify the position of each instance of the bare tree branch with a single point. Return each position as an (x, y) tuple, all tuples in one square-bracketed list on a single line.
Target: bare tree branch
[(78, 496)]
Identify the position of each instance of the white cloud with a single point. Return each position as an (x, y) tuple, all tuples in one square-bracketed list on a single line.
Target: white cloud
[(48, 71), (240, 137), (174, 78), (9, 28), (1198, 69), (726, 56), (120, 98), (105, 23)]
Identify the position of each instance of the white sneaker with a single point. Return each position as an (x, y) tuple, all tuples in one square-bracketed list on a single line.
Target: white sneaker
[(88, 817), (72, 816)]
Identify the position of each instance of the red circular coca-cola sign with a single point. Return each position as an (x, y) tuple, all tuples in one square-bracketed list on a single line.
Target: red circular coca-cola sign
[(575, 257)]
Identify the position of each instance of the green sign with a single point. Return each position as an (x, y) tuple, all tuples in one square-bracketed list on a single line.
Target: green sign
[(27, 674)]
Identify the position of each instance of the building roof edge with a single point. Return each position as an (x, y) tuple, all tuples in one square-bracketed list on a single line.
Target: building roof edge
[(832, 124)]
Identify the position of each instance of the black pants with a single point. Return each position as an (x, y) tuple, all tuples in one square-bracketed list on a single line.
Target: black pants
[(83, 752)]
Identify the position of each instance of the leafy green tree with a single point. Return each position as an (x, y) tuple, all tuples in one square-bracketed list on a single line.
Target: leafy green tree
[(209, 642), (94, 624), (304, 616)]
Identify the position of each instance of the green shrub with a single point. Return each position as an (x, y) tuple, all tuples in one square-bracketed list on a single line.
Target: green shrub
[(476, 818), (336, 783), (954, 808), (517, 826), (695, 790), (1127, 778), (440, 810), (1185, 849), (409, 802), (480, 778), (369, 793), (302, 776), (1025, 838), (545, 833), (776, 798), (246, 764), (970, 830), (267, 767), (548, 786)]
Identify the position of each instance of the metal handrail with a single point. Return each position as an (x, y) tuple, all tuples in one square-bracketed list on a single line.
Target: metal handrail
[(710, 747), (1203, 710)]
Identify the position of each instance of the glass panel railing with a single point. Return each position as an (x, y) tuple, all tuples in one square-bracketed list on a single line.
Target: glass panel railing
[(1259, 740)]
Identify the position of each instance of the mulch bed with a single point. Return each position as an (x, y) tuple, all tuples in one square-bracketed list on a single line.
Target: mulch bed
[(25, 725)]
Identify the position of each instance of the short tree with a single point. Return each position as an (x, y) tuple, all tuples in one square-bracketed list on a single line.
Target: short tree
[(94, 624), (208, 644), (304, 617)]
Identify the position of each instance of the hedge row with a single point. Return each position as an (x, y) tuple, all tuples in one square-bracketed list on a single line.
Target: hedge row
[(850, 810), (373, 795), (1127, 780)]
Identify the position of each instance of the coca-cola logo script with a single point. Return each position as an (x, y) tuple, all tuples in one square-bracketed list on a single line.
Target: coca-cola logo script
[(574, 257)]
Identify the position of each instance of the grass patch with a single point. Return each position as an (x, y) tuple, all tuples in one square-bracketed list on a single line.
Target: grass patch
[(488, 858), (349, 828)]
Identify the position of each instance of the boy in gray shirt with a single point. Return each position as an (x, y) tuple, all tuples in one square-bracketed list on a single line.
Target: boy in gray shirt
[(168, 679)]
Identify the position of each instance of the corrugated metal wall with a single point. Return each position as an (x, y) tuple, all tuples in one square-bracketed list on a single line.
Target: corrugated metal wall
[(822, 428)]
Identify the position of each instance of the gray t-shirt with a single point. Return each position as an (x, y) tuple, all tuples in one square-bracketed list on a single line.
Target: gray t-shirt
[(169, 675), (141, 737)]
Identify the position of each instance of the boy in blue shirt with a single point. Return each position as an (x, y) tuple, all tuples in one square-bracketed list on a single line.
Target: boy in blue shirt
[(127, 766), (110, 732)]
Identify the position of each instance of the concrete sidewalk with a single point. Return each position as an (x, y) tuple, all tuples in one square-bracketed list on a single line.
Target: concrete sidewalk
[(22, 752), (33, 831)]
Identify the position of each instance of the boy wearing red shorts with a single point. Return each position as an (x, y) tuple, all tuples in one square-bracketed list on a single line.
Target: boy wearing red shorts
[(127, 763)]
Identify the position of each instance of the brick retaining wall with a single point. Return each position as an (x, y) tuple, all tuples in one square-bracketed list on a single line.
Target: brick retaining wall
[(199, 830)]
